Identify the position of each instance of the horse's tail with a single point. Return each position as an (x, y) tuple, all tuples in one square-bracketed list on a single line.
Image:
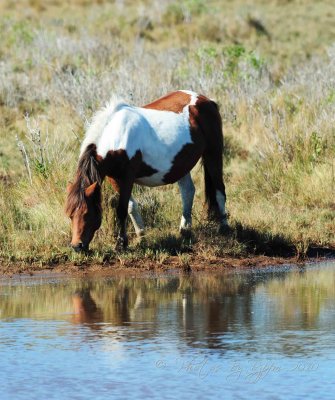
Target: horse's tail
[(212, 157)]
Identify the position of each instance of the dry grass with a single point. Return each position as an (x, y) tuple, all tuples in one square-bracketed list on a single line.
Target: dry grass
[(271, 68)]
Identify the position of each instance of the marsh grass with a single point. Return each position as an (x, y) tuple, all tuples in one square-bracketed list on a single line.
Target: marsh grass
[(275, 86)]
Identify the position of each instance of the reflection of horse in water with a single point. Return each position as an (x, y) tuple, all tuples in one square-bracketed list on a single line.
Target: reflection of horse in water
[(224, 304), (202, 311), (85, 310), (118, 311)]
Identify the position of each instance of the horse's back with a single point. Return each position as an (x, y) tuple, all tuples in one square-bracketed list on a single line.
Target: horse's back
[(167, 133), (124, 131)]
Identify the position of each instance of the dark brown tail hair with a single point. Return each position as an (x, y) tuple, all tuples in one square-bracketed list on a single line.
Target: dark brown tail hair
[(213, 156)]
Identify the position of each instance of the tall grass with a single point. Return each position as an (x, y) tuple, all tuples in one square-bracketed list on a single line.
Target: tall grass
[(278, 116)]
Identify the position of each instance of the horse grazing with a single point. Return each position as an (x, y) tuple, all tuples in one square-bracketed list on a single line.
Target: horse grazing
[(154, 145)]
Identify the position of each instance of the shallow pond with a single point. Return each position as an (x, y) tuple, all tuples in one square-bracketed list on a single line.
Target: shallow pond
[(265, 334)]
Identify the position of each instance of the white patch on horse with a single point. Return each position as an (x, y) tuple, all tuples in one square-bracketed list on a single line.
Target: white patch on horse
[(221, 200), (170, 132), (99, 121), (194, 96), (159, 135)]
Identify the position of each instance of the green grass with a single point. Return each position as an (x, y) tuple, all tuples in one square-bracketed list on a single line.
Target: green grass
[(270, 68)]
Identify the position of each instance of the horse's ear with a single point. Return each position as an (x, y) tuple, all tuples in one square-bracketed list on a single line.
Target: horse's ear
[(68, 187), (90, 190)]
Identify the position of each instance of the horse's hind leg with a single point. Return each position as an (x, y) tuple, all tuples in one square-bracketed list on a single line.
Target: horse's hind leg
[(135, 216), (215, 192), (187, 191)]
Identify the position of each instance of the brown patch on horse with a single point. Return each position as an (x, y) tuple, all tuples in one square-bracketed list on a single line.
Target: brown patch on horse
[(174, 102), (116, 162), (145, 170), (183, 162), (190, 154)]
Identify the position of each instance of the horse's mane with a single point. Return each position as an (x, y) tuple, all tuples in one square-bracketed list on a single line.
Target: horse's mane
[(99, 121), (87, 173)]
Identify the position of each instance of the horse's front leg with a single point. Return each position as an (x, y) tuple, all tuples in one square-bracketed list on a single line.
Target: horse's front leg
[(133, 209), (121, 213), (135, 217)]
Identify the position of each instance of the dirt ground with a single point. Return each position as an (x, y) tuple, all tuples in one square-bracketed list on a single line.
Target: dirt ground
[(171, 265)]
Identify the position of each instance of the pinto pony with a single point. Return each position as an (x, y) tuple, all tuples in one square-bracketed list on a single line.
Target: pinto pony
[(154, 145)]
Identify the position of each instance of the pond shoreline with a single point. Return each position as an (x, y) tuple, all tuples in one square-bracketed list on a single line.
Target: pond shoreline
[(173, 264)]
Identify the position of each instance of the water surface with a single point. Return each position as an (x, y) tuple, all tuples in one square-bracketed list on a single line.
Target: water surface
[(266, 334)]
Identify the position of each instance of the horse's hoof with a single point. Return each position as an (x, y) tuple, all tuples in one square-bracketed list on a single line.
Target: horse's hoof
[(121, 243), (80, 248), (140, 233), (185, 232), (225, 229)]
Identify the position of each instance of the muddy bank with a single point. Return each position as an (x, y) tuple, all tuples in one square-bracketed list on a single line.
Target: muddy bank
[(171, 264)]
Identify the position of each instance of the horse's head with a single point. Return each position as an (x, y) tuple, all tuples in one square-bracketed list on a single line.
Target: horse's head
[(84, 208)]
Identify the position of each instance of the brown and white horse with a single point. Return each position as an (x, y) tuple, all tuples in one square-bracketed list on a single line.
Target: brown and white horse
[(154, 145)]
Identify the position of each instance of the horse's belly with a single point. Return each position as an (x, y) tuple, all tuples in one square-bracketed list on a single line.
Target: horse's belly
[(169, 170), (157, 162), (154, 180)]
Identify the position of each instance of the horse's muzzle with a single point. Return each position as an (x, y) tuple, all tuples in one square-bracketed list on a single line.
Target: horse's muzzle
[(79, 248)]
